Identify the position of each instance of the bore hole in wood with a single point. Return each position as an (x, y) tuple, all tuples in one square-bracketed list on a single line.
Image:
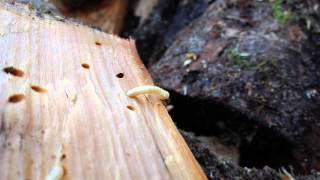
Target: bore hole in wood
[(16, 98), (131, 108), (13, 71), (120, 75), (85, 65), (98, 43), (63, 156), (38, 89)]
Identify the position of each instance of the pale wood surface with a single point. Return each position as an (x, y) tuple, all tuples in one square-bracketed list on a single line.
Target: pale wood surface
[(83, 110)]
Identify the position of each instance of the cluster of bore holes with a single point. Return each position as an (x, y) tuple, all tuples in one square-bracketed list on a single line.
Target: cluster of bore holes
[(119, 75), (15, 98), (86, 65)]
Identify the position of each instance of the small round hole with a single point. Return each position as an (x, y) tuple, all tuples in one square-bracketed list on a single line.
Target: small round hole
[(63, 156), (38, 89), (16, 98), (98, 43), (120, 75), (131, 108), (13, 71), (85, 65)]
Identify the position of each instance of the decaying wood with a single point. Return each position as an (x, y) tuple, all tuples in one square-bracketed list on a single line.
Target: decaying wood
[(108, 15), (63, 98)]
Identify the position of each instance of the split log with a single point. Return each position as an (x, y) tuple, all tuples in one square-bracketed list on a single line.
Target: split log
[(63, 99)]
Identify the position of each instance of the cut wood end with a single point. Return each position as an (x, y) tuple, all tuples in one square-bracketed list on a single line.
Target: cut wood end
[(84, 109)]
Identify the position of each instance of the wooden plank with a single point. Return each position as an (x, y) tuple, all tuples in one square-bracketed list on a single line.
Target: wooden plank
[(64, 100)]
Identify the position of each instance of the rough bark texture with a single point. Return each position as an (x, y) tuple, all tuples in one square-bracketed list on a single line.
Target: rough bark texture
[(60, 95), (252, 75), (155, 33), (217, 169)]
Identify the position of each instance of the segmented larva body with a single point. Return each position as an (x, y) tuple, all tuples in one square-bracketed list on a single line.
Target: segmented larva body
[(163, 94)]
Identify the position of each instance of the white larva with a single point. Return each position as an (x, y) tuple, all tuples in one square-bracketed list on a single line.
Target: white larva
[(56, 173), (163, 94)]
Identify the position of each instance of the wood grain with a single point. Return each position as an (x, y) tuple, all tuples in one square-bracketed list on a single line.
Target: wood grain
[(75, 104)]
